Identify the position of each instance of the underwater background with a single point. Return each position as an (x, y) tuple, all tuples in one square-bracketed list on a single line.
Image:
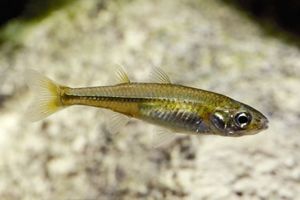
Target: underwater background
[(248, 50)]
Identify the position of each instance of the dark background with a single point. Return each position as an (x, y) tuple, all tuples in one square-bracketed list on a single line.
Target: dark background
[(10, 9), (27, 9), (283, 15)]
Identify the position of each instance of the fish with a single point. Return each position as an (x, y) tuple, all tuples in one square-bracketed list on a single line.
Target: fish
[(175, 107)]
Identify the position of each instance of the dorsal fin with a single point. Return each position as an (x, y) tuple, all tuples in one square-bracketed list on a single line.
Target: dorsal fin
[(121, 75), (159, 76)]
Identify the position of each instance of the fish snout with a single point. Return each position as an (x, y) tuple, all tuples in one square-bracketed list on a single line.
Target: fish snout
[(264, 123)]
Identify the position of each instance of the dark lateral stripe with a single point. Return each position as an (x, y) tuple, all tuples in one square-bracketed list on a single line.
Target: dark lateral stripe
[(106, 98)]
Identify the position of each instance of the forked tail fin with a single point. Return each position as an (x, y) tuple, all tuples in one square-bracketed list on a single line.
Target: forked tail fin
[(47, 96)]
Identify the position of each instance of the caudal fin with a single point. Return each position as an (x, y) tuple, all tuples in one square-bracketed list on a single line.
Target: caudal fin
[(47, 96)]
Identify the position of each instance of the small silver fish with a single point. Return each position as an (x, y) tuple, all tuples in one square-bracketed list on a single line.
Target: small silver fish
[(173, 106)]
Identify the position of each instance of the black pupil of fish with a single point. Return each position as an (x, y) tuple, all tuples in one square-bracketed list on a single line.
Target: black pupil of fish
[(242, 119)]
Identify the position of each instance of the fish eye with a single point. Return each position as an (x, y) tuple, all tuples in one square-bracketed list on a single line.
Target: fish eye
[(242, 119)]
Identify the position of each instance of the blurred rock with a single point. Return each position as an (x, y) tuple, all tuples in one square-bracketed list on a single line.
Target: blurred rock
[(204, 44)]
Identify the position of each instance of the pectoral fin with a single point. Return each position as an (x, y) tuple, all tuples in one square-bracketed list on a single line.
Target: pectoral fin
[(116, 122), (163, 137)]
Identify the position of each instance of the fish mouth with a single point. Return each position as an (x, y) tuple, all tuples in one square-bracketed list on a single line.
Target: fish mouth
[(264, 123)]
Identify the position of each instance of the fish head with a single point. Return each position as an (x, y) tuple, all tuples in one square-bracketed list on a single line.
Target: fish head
[(238, 121)]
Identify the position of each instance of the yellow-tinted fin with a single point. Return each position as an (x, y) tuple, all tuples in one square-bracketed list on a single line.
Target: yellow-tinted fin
[(46, 96), (121, 75), (159, 76)]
